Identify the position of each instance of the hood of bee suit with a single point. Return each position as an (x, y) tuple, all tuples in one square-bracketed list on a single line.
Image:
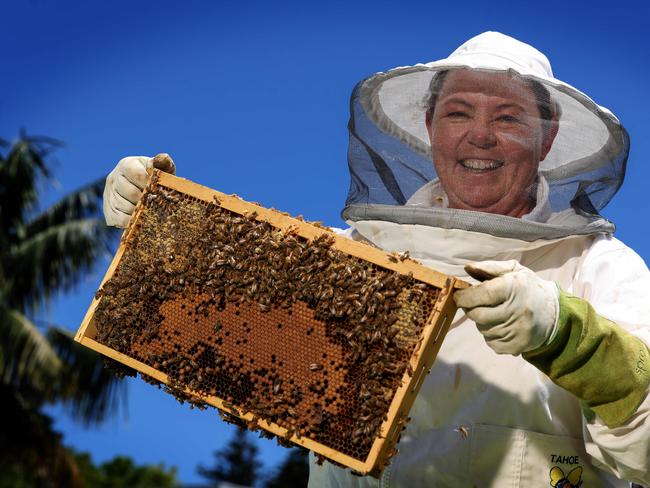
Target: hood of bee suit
[(394, 179)]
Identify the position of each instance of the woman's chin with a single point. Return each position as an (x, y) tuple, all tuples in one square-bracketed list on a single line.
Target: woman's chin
[(477, 203)]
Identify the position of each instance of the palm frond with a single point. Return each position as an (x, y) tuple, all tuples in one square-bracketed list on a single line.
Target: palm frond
[(80, 204), (27, 360), (87, 387), (52, 260), (32, 451), (41, 254), (20, 170)]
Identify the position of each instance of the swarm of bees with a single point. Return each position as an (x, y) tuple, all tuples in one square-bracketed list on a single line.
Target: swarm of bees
[(289, 329)]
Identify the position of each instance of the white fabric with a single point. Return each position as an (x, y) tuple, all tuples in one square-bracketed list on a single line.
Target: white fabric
[(486, 419), (125, 183), (515, 310), (481, 52)]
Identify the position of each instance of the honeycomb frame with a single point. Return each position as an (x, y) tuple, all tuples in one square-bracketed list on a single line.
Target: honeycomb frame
[(381, 445)]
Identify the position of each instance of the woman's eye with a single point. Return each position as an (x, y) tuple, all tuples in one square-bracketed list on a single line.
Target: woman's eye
[(507, 118), (457, 114)]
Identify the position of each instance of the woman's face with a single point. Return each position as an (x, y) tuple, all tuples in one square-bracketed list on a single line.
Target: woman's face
[(487, 141)]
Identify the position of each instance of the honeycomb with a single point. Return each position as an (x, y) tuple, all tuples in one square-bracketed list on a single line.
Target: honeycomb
[(284, 327)]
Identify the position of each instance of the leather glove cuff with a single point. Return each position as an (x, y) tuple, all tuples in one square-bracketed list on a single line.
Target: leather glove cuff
[(596, 360)]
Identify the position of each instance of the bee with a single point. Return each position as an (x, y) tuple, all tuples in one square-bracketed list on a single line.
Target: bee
[(403, 256), (463, 431)]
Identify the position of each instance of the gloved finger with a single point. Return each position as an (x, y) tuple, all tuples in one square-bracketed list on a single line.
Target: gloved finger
[(486, 270), (127, 190), (164, 162), (121, 204), (489, 293), (114, 216), (134, 169), (512, 337), (487, 317), (500, 332), (117, 218), (505, 345)]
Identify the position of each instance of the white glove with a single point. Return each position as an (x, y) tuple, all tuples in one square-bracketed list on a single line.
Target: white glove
[(515, 310), (125, 183)]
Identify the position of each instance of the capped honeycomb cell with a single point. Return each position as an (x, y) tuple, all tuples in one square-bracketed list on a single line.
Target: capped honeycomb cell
[(279, 323)]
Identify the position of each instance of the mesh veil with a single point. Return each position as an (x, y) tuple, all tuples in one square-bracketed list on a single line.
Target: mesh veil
[(487, 126)]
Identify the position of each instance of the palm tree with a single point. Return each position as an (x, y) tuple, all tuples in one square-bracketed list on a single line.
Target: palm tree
[(42, 253)]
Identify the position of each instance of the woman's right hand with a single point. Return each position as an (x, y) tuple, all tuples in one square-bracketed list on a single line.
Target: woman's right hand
[(125, 183)]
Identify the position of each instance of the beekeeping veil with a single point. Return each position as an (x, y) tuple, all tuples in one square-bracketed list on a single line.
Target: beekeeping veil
[(391, 161)]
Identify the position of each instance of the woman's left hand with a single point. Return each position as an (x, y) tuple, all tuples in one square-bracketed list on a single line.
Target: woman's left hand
[(514, 309)]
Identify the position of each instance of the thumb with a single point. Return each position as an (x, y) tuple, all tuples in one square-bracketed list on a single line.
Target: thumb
[(486, 270), (164, 162)]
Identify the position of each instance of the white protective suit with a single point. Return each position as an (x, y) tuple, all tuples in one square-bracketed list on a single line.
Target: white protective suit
[(484, 419)]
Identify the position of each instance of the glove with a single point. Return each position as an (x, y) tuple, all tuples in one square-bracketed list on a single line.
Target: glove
[(125, 183), (514, 309)]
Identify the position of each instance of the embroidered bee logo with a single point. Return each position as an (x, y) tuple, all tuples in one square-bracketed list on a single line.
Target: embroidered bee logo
[(571, 480)]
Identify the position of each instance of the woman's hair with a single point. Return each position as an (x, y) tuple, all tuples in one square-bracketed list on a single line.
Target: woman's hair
[(435, 87), (548, 111)]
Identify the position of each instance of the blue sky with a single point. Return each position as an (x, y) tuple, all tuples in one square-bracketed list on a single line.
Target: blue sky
[(252, 98)]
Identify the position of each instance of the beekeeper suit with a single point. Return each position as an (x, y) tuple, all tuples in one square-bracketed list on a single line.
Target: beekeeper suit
[(486, 167), (484, 158)]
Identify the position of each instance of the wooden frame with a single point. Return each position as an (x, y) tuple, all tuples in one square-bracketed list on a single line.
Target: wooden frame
[(422, 359)]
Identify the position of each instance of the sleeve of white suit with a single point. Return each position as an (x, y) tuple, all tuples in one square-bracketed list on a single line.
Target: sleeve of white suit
[(616, 281)]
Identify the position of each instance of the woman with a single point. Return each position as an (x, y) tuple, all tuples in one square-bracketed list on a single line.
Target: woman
[(484, 166)]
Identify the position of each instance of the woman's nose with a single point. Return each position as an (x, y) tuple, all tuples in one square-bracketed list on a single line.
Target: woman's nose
[(480, 134)]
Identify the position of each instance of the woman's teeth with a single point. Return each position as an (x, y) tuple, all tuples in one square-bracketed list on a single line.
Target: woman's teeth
[(480, 163)]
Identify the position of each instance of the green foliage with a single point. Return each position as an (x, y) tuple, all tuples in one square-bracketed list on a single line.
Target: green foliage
[(293, 472), (121, 472), (88, 388), (43, 252), (32, 452), (236, 463)]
